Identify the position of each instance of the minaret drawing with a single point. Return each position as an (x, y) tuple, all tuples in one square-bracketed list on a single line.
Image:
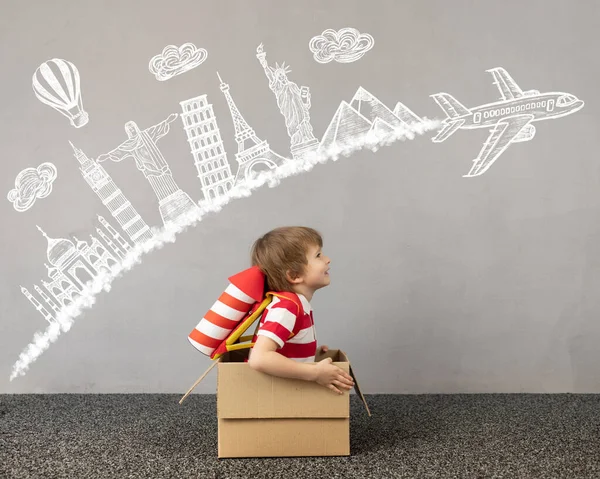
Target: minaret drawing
[(45, 313), (46, 298), (258, 153), (207, 148), (122, 243), (111, 196)]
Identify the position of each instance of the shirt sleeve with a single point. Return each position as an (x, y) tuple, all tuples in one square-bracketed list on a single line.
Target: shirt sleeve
[(279, 321)]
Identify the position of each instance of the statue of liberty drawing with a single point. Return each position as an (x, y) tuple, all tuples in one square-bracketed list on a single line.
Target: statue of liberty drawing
[(293, 102)]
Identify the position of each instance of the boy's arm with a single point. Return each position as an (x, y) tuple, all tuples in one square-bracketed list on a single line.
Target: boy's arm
[(265, 358)]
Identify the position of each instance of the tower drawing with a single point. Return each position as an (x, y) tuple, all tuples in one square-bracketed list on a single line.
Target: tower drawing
[(46, 298), (206, 146), (122, 247), (258, 152), (44, 312), (111, 196)]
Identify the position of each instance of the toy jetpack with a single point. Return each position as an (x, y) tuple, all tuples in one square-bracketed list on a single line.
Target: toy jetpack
[(238, 307)]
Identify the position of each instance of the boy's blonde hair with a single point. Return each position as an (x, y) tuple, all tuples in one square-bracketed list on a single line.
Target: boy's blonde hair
[(281, 250)]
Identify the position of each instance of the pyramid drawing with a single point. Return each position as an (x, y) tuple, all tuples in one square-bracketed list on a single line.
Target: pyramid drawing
[(380, 129), (346, 124), (406, 114), (370, 107), (365, 115)]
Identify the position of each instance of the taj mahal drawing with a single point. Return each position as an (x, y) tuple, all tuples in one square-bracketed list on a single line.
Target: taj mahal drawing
[(71, 264)]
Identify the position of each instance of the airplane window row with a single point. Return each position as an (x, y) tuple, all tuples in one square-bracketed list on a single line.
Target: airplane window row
[(513, 109)]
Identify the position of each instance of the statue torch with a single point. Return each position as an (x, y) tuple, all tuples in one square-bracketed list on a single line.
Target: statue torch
[(261, 55)]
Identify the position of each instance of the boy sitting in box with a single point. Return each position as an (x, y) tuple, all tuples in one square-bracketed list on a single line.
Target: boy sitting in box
[(292, 261)]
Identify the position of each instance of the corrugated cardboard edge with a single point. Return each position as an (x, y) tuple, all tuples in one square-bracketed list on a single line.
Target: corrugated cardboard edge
[(356, 387)]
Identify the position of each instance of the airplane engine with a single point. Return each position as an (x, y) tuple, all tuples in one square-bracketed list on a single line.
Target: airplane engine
[(526, 134)]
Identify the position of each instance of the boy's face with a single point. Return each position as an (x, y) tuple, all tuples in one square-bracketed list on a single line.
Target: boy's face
[(316, 273)]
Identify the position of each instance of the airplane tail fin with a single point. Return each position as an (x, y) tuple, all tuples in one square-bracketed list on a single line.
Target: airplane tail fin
[(451, 106), (454, 110)]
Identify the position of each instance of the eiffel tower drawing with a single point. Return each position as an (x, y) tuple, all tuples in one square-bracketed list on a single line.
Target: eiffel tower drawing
[(258, 152)]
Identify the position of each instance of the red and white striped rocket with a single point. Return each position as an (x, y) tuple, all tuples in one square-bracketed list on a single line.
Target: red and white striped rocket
[(244, 291)]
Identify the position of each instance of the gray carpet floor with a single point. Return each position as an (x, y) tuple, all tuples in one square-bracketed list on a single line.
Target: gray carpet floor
[(421, 436)]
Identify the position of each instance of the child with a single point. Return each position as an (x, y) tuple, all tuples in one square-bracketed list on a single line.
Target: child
[(292, 260)]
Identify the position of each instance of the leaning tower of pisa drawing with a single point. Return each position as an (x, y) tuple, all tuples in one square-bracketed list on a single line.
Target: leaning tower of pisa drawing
[(206, 146)]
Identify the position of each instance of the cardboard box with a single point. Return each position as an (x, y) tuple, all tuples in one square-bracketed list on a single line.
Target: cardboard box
[(266, 416)]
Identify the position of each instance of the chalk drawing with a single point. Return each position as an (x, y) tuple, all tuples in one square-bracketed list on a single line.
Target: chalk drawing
[(509, 120), (293, 103), (176, 60), (257, 153), (242, 189), (367, 116), (73, 264), (369, 106), (141, 146), (406, 114), (204, 138), (117, 243), (344, 46), (56, 83), (112, 197), (31, 184)]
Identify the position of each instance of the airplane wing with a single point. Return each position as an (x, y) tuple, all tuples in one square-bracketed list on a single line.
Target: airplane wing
[(499, 140), (507, 86)]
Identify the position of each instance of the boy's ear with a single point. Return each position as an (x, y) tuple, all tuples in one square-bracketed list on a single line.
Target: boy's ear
[(292, 277)]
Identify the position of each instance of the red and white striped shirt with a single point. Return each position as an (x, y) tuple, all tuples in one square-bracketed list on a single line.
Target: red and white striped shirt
[(279, 321)]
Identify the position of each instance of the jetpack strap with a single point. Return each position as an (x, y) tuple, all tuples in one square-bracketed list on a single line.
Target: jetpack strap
[(232, 342), (293, 297)]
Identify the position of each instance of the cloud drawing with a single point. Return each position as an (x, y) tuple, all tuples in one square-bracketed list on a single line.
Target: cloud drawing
[(344, 46), (31, 184), (176, 60)]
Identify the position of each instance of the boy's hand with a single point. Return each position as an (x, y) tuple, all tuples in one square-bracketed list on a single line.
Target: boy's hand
[(323, 349), (332, 377)]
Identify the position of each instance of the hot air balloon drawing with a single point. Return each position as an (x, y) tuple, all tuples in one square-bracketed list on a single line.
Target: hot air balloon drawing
[(56, 83)]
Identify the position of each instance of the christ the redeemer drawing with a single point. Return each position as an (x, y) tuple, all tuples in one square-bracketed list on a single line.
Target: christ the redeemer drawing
[(141, 146)]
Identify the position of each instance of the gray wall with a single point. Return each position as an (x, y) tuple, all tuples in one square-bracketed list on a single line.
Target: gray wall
[(440, 284)]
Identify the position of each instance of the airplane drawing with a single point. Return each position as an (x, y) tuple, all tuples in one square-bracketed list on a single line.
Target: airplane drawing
[(510, 119)]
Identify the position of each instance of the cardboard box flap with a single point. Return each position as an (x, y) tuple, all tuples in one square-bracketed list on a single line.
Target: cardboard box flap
[(336, 355), (339, 355), (358, 391)]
